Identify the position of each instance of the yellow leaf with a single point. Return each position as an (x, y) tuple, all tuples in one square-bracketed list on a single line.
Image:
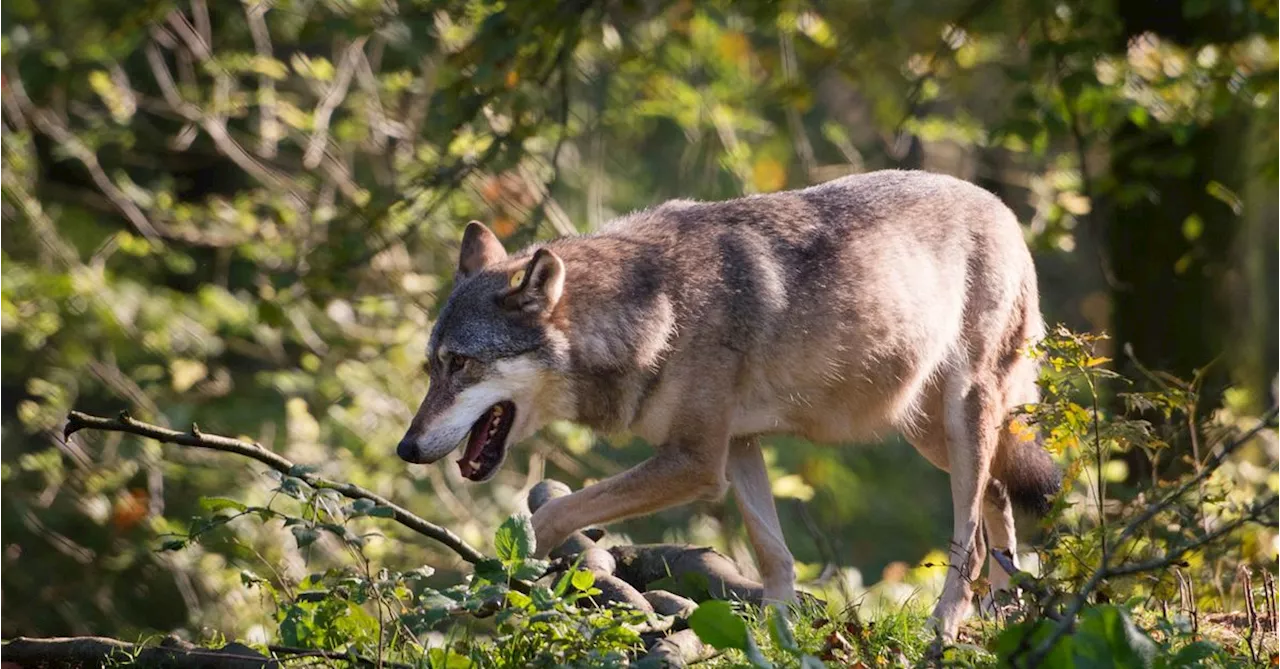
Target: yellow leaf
[(186, 373), (768, 175), (733, 47), (793, 486)]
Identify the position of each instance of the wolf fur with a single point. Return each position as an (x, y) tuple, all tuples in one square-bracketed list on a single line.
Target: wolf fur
[(889, 301)]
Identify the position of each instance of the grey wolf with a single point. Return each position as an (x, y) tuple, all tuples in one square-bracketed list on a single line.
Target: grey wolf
[(894, 300)]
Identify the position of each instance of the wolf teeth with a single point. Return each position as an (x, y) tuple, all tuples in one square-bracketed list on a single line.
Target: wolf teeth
[(497, 411)]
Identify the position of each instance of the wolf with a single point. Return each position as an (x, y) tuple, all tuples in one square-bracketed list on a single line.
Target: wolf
[(890, 301)]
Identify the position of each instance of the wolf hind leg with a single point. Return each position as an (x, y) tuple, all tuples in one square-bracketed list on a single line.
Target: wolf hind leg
[(749, 479), (971, 418), (997, 517)]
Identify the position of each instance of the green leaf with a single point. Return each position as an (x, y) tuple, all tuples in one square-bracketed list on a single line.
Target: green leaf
[(514, 539), (382, 512), (530, 569), (491, 570), (1194, 654), (304, 535), (216, 504), (583, 580), (543, 598), (780, 630), (173, 545), (519, 599), (1014, 641), (362, 506), (1107, 636), (447, 659), (715, 623)]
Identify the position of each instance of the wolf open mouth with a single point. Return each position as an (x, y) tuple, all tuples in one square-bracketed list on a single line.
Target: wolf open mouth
[(487, 443)]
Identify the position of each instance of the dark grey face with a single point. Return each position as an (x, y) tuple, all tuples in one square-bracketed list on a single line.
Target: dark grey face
[(480, 325), (474, 324), (492, 314)]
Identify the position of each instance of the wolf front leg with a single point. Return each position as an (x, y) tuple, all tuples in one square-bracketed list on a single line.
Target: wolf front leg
[(681, 472), (749, 478)]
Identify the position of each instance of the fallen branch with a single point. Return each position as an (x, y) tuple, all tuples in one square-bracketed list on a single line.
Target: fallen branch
[(172, 652), (93, 652), (77, 421), (637, 575)]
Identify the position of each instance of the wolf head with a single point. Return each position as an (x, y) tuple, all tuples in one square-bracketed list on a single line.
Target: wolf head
[(495, 358)]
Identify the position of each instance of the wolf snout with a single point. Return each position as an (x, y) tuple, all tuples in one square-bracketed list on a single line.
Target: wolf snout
[(410, 450)]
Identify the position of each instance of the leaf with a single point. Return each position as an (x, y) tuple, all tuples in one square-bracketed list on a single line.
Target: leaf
[(543, 598), (186, 373), (530, 569), (1194, 654), (1107, 636), (447, 659), (514, 539), (362, 506), (173, 545), (303, 470), (780, 630), (304, 535), (216, 504), (583, 580), (715, 623), (491, 570)]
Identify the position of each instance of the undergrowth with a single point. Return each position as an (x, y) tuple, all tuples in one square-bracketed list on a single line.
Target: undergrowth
[(1177, 571)]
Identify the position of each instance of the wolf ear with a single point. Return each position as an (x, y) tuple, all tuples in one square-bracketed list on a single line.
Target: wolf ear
[(538, 286), (480, 248)]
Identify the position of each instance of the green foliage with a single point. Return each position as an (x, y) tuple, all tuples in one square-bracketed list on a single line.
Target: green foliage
[(1105, 637), (245, 214)]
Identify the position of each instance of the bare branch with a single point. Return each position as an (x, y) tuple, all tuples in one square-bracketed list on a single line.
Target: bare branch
[(1256, 513), (49, 124), (1105, 570), (268, 126), (124, 423), (332, 98)]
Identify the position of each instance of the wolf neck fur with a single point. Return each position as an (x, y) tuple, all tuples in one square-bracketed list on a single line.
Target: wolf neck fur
[(623, 321)]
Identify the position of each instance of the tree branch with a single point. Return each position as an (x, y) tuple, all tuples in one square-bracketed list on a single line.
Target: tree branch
[(90, 651), (77, 421), (1105, 570), (172, 652)]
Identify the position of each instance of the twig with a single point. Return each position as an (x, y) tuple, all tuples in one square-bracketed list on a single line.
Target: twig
[(268, 126), (1105, 570), (293, 652), (124, 423), (1255, 513), (1251, 609), (50, 125), (332, 98)]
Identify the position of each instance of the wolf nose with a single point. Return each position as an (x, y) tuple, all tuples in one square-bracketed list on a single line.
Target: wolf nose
[(408, 450)]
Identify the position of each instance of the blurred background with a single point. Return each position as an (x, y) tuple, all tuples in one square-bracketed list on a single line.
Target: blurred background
[(244, 215)]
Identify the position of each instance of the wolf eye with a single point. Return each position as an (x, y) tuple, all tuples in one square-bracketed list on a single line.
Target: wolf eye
[(457, 363)]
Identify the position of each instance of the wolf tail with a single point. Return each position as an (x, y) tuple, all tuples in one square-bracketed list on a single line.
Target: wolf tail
[(1027, 470)]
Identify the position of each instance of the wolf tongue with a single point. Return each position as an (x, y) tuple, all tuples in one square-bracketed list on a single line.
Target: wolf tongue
[(475, 445)]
